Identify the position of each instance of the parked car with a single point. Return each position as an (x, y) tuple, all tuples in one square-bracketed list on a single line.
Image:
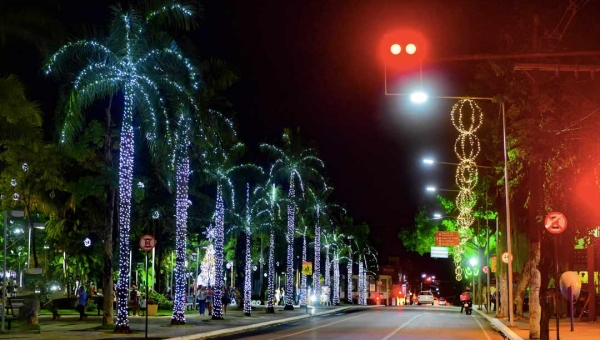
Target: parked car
[(425, 297), (443, 302)]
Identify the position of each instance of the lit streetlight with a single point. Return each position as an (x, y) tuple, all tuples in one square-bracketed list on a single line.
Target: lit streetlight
[(434, 189), (473, 262)]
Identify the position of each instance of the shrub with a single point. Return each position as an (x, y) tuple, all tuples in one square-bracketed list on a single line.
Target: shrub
[(160, 300), (90, 306)]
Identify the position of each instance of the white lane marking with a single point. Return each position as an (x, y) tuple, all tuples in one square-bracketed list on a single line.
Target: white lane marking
[(401, 326), (483, 329), (310, 329)]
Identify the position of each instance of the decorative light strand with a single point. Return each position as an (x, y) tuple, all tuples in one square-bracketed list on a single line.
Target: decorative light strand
[(336, 277), (361, 284), (317, 242), (248, 270), (327, 281), (303, 291), (364, 284), (181, 215), (271, 276), (291, 216), (349, 272), (219, 236), (466, 147)]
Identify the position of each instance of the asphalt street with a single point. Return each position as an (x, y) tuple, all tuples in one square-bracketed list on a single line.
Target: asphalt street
[(390, 323)]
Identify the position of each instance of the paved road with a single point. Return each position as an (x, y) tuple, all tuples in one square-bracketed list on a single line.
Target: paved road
[(389, 323)]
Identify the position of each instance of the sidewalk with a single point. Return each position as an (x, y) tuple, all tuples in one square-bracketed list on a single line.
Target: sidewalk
[(582, 330), (159, 327)]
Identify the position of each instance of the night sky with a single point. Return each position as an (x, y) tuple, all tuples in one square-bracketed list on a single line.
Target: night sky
[(314, 65)]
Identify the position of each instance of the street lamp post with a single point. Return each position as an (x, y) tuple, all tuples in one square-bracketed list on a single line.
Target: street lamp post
[(473, 263), (506, 194)]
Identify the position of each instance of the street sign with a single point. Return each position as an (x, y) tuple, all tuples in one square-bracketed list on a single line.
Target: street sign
[(147, 243), (494, 263), (439, 252), (505, 257), (485, 269), (555, 222), (307, 268), (447, 238)]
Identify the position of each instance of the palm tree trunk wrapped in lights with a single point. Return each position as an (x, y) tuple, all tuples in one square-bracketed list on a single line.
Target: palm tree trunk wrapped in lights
[(248, 277), (317, 266), (271, 276), (289, 284), (219, 236), (361, 283), (336, 278), (303, 291), (183, 171), (349, 271), (327, 281)]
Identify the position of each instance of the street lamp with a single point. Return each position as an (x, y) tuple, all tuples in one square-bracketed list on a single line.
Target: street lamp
[(434, 189), (506, 194), (473, 262)]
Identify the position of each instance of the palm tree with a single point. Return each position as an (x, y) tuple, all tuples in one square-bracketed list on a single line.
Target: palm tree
[(320, 209), (293, 161), (124, 62), (219, 166), (252, 218), (270, 199)]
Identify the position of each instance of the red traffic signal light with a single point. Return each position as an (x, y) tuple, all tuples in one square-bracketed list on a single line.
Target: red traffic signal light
[(403, 48)]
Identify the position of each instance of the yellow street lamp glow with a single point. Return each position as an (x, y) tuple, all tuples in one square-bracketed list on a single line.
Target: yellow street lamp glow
[(418, 97), (395, 49), (411, 48)]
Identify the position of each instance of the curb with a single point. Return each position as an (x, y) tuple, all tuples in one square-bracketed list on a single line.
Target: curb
[(502, 328), (239, 329)]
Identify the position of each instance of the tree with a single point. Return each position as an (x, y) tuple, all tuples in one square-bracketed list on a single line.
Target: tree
[(124, 61), (292, 162)]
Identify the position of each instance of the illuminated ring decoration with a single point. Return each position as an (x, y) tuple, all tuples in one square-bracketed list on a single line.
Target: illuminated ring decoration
[(467, 117)]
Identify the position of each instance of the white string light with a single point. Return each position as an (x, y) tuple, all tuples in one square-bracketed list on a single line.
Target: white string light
[(467, 117), (289, 284)]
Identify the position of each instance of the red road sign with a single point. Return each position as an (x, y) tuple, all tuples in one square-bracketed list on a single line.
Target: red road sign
[(147, 242), (505, 257), (555, 222), (447, 238), (485, 269)]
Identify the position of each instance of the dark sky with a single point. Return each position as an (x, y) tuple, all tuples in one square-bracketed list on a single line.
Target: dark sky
[(314, 65)]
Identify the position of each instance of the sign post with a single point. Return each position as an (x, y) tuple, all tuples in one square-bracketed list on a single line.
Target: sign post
[(307, 270), (147, 243), (555, 222)]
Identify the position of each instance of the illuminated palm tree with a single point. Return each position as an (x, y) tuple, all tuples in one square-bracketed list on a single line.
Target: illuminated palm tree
[(124, 62), (293, 162)]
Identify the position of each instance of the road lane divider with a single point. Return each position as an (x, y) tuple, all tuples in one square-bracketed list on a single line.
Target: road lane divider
[(400, 327), (483, 329), (322, 326)]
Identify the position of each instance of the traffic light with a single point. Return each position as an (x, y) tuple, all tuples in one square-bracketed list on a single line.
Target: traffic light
[(403, 49)]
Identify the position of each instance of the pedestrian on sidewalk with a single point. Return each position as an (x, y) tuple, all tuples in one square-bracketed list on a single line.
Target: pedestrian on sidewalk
[(225, 299), (209, 299), (133, 300), (201, 298), (81, 303)]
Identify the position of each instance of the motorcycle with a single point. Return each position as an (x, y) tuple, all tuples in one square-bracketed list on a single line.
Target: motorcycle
[(468, 307)]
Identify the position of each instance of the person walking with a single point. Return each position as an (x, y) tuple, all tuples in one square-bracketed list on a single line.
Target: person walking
[(81, 303), (133, 300), (225, 299), (209, 299), (201, 298)]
